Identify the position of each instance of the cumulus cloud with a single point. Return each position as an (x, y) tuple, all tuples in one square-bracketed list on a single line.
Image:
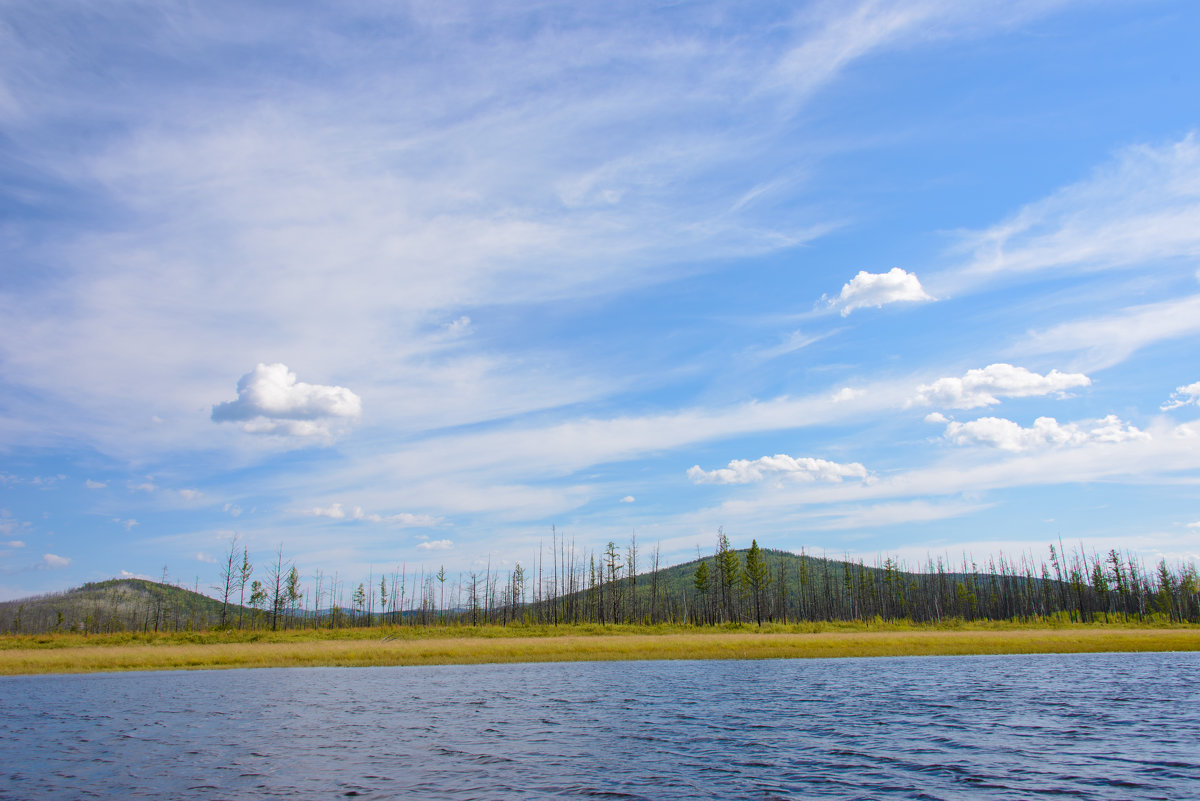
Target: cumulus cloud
[(936, 417), (94, 484), (436, 545), (984, 387), (1046, 432), (336, 511), (628, 499), (847, 394), (805, 468), (53, 561), (1183, 396), (271, 401), (877, 289)]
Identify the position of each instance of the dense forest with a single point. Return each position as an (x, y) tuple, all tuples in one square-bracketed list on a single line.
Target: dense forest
[(623, 585)]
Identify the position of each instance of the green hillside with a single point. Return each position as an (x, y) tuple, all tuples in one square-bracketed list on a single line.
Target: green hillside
[(737, 586), (109, 606)]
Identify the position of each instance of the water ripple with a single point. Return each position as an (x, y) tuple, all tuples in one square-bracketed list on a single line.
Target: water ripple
[(1100, 726)]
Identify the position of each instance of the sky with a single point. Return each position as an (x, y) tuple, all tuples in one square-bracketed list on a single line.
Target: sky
[(426, 284)]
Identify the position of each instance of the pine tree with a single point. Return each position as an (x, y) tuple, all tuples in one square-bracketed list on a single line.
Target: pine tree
[(729, 569), (360, 599), (292, 590), (755, 577), (701, 582)]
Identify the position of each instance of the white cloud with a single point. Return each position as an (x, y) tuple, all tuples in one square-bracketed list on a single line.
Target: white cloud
[(53, 561), (203, 557), (271, 401), (435, 545), (848, 394), (401, 518), (1168, 452), (128, 524), (190, 494), (94, 484), (1183, 396), (936, 417), (233, 509), (805, 468), (1045, 432), (984, 387), (459, 327), (877, 289), (334, 511), (628, 499), (1194, 525), (145, 486), (12, 544), (337, 512)]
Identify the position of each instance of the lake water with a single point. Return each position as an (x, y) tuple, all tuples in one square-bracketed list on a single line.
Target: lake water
[(1104, 726)]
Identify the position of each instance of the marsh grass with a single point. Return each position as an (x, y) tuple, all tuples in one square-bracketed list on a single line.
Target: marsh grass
[(378, 646)]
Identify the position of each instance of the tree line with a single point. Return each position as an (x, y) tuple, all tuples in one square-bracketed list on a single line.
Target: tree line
[(619, 584)]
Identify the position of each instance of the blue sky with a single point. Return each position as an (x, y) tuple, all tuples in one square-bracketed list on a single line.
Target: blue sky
[(411, 283)]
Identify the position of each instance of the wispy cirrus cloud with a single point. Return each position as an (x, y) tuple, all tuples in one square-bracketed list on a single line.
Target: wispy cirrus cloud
[(1108, 339), (1142, 207), (585, 141)]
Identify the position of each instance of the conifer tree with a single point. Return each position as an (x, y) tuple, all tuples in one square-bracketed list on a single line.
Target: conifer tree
[(755, 577), (701, 582), (729, 569)]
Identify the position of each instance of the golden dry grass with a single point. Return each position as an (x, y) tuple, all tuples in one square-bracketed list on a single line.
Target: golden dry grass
[(440, 647)]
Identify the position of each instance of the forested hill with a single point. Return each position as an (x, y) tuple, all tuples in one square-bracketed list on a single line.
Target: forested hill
[(613, 586), (127, 604)]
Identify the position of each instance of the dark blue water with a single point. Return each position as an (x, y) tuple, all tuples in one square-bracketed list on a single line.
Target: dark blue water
[(1110, 726)]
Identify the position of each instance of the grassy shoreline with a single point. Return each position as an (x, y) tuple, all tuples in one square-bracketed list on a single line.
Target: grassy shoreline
[(66, 653)]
